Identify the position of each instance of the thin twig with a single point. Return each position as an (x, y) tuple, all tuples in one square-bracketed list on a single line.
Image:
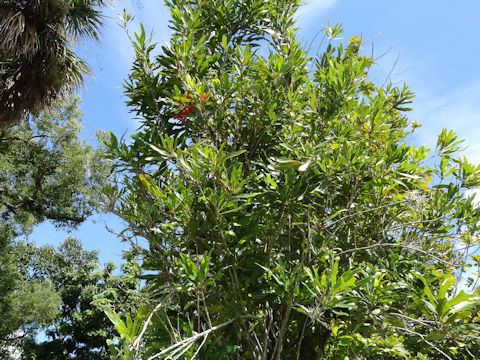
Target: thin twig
[(423, 338), (391, 71), (191, 339), (413, 248), (201, 345), (136, 343)]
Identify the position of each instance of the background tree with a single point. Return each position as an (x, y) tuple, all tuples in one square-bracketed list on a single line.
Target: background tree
[(47, 171), (46, 174), (286, 214), (37, 62), (72, 315)]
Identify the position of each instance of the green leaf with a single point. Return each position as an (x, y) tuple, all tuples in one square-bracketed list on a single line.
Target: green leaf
[(224, 43), (304, 166), (271, 182), (435, 336), (285, 164), (462, 297), (426, 289), (247, 196), (164, 154), (334, 215), (234, 154), (333, 278), (117, 322)]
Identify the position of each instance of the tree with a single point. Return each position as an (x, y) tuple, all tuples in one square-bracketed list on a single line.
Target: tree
[(47, 173), (286, 214), (37, 62), (25, 307), (78, 327)]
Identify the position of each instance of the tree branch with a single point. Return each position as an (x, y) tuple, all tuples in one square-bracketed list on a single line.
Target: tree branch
[(413, 248)]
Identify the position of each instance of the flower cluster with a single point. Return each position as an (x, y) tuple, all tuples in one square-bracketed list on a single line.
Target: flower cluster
[(189, 107)]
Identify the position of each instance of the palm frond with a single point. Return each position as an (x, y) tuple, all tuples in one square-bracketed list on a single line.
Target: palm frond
[(75, 69), (85, 19), (17, 37), (36, 63)]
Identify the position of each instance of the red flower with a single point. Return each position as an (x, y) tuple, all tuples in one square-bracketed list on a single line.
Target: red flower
[(189, 108)]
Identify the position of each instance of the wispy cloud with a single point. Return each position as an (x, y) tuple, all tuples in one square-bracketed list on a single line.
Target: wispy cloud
[(476, 194), (457, 110), (112, 57), (312, 9), (151, 13)]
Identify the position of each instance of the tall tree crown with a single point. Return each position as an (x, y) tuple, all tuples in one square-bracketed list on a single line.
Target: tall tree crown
[(286, 214)]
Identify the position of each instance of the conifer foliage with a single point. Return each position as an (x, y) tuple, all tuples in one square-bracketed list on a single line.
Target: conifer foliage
[(286, 213)]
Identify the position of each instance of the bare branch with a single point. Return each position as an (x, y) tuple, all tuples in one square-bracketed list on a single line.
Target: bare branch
[(413, 248), (191, 340), (136, 343)]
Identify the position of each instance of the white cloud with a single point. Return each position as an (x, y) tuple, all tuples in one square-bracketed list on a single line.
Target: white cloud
[(476, 194), (112, 57), (457, 110), (312, 9)]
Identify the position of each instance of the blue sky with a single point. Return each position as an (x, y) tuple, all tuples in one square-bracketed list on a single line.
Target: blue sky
[(432, 46)]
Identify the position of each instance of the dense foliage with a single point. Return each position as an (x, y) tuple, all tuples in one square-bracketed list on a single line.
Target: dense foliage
[(47, 173), (283, 211), (63, 293), (287, 215), (37, 62)]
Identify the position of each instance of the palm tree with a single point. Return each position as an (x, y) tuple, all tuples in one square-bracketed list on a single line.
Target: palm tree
[(37, 63)]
